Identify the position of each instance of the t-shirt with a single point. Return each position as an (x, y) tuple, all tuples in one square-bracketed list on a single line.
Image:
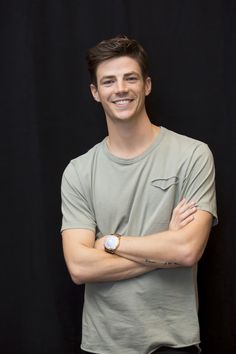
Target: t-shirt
[(136, 197)]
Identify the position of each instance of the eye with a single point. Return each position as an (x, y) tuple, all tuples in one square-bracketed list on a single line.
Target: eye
[(108, 82), (132, 78)]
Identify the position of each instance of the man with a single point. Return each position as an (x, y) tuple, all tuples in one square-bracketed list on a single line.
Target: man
[(131, 230)]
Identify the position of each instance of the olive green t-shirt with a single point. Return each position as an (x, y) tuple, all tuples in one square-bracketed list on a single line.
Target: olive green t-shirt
[(136, 197)]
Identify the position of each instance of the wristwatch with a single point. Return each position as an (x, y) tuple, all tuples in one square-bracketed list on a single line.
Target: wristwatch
[(111, 243)]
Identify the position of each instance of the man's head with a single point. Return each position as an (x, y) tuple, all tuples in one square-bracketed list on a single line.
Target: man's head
[(114, 48)]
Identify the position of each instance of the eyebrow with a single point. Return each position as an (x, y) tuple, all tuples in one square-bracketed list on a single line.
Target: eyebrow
[(125, 75), (132, 73), (106, 77)]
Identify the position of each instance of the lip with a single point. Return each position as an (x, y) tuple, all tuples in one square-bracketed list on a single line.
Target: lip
[(122, 101)]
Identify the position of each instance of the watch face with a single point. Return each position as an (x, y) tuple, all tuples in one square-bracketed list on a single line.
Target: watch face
[(111, 242)]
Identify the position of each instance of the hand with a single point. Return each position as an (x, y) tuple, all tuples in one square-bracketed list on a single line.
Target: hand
[(99, 243), (182, 215)]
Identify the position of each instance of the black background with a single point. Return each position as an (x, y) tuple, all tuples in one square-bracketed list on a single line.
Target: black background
[(48, 117)]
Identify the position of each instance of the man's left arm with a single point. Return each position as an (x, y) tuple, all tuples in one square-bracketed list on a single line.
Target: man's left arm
[(183, 247)]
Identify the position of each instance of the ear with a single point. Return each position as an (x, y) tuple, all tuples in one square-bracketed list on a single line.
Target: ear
[(148, 86), (94, 92)]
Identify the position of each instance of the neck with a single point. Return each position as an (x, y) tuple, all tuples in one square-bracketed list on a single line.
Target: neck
[(130, 139)]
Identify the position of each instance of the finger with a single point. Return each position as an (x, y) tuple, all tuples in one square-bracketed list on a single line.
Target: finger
[(188, 212), (187, 206), (184, 205), (180, 204), (187, 220)]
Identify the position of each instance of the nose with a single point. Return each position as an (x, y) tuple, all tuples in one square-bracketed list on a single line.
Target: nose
[(121, 87)]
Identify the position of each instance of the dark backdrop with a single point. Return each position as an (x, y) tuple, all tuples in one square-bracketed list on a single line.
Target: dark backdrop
[(48, 117)]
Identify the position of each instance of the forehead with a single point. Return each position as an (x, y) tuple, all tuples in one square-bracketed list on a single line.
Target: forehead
[(117, 67)]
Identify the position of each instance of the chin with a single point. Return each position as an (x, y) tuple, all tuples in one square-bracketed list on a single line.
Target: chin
[(123, 119), (124, 116)]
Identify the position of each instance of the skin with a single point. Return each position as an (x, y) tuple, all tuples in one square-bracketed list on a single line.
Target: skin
[(121, 90)]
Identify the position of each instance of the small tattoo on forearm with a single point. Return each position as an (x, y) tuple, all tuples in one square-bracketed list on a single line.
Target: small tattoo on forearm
[(149, 261), (166, 263), (170, 263)]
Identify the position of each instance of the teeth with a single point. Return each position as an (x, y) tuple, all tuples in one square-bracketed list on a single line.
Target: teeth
[(122, 101)]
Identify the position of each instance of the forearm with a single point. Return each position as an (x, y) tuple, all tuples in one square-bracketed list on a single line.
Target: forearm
[(182, 247), (93, 265), (170, 248), (161, 250), (165, 249)]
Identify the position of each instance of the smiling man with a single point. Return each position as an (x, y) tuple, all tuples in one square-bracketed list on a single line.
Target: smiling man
[(122, 93), (137, 212)]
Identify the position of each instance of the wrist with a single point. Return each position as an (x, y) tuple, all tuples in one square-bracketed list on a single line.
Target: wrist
[(111, 243)]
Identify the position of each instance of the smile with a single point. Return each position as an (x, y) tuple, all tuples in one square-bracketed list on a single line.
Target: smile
[(122, 102)]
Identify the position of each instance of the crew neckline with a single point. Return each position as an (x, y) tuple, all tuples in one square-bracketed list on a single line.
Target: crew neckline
[(137, 158)]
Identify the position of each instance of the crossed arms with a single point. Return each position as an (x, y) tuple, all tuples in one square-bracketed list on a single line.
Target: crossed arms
[(181, 245)]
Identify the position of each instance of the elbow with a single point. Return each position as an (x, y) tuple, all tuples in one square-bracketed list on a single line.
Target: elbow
[(189, 256), (189, 261), (77, 280), (77, 275)]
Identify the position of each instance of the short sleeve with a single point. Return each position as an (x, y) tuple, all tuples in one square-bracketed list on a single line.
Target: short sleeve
[(76, 211), (199, 182)]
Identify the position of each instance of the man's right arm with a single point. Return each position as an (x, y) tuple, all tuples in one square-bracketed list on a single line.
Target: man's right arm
[(87, 264)]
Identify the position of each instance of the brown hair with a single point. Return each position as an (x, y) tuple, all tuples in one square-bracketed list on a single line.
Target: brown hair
[(113, 48)]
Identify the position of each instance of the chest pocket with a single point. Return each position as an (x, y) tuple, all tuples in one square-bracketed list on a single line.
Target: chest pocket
[(165, 183)]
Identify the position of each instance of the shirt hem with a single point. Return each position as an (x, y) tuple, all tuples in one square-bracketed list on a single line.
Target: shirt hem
[(197, 344)]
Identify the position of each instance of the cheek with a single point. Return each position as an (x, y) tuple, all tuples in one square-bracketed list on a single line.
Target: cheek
[(103, 96), (106, 106)]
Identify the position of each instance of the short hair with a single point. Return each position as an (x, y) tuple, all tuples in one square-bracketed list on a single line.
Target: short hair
[(113, 48)]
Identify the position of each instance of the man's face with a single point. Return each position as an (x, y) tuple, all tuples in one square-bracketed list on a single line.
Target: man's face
[(121, 88)]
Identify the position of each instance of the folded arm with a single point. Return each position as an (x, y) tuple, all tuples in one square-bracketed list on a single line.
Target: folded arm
[(88, 262), (180, 247)]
